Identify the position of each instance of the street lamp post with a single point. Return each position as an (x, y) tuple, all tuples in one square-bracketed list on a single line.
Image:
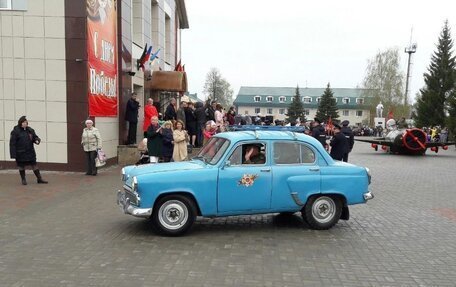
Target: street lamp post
[(409, 50)]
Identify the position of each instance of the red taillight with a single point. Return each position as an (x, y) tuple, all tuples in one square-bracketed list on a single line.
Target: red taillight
[(384, 147), (445, 147), (433, 148), (374, 145)]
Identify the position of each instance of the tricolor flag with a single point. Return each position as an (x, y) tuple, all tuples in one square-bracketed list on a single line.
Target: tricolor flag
[(144, 58)]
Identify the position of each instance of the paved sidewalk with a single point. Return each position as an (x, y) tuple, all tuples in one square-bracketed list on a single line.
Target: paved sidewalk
[(70, 233)]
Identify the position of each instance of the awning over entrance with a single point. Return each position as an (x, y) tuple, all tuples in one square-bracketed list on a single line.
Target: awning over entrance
[(172, 81)]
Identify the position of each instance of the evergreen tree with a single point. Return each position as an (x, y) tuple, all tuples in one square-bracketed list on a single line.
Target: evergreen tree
[(296, 109), (327, 107), (438, 92), (451, 120)]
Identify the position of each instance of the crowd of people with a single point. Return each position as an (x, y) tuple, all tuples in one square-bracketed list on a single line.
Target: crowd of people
[(189, 125), (436, 134), (342, 138), (171, 137)]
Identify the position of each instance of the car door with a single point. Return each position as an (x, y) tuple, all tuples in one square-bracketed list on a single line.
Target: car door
[(296, 174), (244, 188)]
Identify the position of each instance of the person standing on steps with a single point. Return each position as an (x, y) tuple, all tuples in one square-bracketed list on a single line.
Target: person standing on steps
[(22, 140), (149, 111), (131, 115)]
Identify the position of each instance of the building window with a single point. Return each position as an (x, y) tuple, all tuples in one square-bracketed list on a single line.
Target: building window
[(318, 99), (269, 99), (307, 100), (359, 101), (345, 113), (346, 100), (168, 32), (306, 112), (246, 112), (281, 111), (5, 4), (282, 99), (269, 111), (257, 99), (359, 113), (257, 110)]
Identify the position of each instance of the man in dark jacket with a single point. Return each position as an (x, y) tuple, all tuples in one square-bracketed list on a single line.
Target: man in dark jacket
[(339, 144), (318, 132), (171, 111), (348, 133), (200, 115), (21, 148), (131, 115), (210, 111)]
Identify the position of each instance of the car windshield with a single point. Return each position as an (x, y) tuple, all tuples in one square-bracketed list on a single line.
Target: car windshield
[(213, 150)]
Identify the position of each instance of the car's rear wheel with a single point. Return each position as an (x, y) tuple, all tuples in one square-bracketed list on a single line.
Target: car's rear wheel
[(174, 214), (322, 211)]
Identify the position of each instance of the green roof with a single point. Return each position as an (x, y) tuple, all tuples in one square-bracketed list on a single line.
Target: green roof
[(194, 97), (246, 96)]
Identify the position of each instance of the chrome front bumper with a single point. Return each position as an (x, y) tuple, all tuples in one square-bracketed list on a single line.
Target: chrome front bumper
[(127, 208), (368, 195)]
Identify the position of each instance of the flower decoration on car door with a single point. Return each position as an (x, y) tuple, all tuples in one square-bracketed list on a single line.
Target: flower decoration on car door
[(247, 180)]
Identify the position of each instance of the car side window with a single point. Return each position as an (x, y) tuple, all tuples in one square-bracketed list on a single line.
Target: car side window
[(307, 154), (287, 153), (293, 153), (236, 156), (249, 153)]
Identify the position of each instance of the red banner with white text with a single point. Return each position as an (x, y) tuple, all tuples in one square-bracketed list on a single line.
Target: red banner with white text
[(102, 57)]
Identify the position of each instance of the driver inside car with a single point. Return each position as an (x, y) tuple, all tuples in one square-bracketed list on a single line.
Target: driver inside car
[(253, 155)]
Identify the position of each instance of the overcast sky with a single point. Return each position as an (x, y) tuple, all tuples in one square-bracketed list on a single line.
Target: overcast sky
[(309, 43)]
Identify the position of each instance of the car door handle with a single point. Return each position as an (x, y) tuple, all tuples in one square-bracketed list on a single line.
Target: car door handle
[(265, 170), (314, 169)]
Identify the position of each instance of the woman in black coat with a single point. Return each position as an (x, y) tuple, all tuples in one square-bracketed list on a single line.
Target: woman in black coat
[(154, 140), (21, 148), (168, 141), (190, 122)]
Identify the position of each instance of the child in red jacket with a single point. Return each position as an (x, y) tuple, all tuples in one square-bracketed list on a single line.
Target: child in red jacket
[(209, 131)]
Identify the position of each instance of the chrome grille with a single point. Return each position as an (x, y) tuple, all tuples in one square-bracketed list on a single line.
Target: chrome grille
[(133, 198)]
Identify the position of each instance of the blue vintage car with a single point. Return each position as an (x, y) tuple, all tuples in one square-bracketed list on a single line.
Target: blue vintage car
[(246, 172)]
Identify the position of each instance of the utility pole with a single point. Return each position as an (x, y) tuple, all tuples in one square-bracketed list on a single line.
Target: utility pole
[(409, 50)]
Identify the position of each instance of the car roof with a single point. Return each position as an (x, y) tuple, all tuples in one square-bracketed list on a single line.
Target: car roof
[(266, 135)]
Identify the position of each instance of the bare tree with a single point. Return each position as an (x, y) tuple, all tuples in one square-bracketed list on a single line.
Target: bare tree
[(384, 81), (217, 88)]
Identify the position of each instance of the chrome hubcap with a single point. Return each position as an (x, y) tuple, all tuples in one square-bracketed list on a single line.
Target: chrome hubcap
[(173, 214), (323, 209)]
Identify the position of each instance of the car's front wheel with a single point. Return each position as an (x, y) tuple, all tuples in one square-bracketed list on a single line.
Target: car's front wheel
[(174, 214), (322, 211)]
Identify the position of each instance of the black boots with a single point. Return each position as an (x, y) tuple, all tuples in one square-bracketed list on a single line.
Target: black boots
[(22, 173), (39, 179)]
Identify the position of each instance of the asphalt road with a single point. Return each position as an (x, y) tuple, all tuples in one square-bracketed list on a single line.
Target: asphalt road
[(71, 233)]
